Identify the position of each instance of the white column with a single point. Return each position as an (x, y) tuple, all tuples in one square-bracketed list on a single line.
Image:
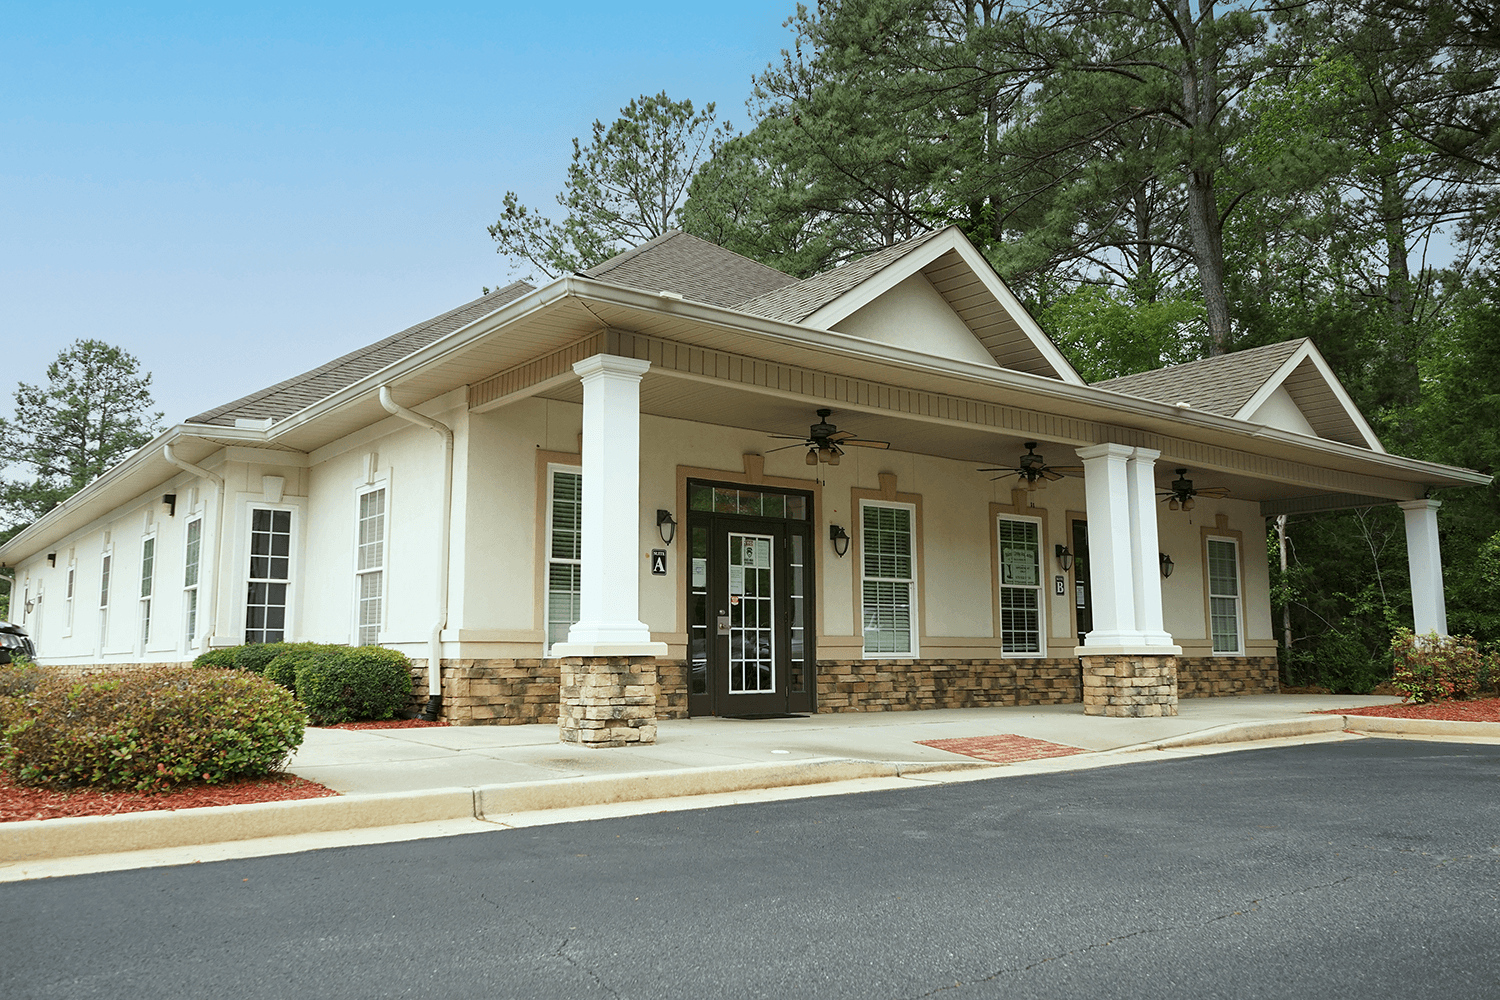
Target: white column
[(609, 622), (1120, 495), (1145, 546), (1107, 500), (1429, 607)]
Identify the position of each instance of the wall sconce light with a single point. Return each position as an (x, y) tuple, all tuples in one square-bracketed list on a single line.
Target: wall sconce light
[(840, 539), (52, 558), (1166, 563), (1064, 557), (665, 526), (169, 504)]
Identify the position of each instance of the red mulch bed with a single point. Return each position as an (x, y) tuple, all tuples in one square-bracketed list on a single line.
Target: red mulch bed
[(1483, 710), (1006, 749), (387, 724), (33, 803)]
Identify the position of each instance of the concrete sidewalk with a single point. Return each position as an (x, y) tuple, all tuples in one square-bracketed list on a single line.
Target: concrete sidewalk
[(402, 784), (363, 762)]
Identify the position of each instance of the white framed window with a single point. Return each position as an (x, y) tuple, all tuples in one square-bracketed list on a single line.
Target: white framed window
[(564, 551), (269, 574), (369, 566), (1021, 599), (192, 562), (104, 572), (1224, 595), (888, 577), (71, 587), (148, 579)]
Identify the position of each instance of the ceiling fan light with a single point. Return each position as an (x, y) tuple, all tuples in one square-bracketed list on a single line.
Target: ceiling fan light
[(833, 456), (1187, 504), (812, 456), (1173, 504)]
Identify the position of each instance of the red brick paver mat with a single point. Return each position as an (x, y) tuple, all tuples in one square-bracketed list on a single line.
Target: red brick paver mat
[(1007, 749)]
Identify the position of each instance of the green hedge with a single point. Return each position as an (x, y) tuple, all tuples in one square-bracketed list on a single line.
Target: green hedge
[(283, 669), (365, 682), (151, 730), (334, 683)]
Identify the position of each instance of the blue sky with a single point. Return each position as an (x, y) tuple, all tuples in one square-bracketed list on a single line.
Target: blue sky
[(236, 194)]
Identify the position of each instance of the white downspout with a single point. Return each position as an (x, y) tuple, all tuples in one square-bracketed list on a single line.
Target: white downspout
[(213, 592), (435, 642)]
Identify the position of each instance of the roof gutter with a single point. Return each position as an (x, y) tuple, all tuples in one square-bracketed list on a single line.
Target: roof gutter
[(206, 638), (434, 706), (840, 345)]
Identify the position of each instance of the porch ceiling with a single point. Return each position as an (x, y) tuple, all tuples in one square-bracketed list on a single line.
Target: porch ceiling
[(720, 404)]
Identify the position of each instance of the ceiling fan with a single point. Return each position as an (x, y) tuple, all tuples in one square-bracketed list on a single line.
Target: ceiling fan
[(1034, 469), (1180, 496), (825, 442)]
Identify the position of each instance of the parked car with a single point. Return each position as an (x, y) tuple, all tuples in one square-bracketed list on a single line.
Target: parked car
[(13, 639)]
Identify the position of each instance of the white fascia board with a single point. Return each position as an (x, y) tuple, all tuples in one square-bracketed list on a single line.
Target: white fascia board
[(1309, 352), (45, 530), (912, 263), (838, 345)]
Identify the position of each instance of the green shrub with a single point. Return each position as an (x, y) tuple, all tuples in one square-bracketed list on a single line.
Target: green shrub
[(283, 669), (252, 656), (255, 655), (365, 682), (19, 676), (217, 657), (151, 730), (1434, 667)]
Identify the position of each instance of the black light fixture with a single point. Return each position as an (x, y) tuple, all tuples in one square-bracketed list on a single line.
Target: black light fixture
[(1166, 563), (665, 526), (169, 504), (1064, 557), (840, 539), (52, 558)]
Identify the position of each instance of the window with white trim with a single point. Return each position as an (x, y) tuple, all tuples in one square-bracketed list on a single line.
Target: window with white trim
[(270, 573), (71, 588), (1224, 594), (191, 566), (369, 567), (148, 573), (564, 552), (104, 567), (888, 580), (1020, 557)]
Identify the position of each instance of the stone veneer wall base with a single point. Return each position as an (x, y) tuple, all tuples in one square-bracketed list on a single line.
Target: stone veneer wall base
[(607, 701), (914, 685), (1130, 686)]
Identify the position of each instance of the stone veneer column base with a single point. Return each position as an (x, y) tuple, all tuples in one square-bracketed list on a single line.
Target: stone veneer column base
[(607, 701), (1130, 686)]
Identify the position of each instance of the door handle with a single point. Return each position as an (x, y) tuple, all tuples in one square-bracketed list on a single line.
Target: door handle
[(723, 624)]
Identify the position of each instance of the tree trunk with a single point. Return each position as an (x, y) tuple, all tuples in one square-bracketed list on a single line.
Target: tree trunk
[(1200, 98)]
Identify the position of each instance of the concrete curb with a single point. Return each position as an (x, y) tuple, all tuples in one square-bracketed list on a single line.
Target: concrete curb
[(1248, 732), (499, 800), (1420, 727), (31, 840), (34, 840)]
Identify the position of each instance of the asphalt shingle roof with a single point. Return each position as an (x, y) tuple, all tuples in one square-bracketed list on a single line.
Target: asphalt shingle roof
[(285, 398), (1221, 385), (793, 303), (693, 268)]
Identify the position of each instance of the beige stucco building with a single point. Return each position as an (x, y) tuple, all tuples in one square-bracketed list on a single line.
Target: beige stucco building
[(684, 483)]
